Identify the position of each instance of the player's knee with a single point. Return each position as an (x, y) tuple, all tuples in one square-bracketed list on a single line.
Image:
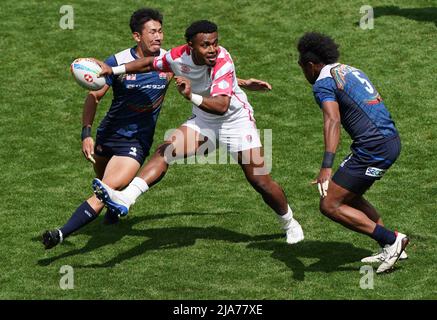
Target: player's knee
[(328, 208), (262, 185)]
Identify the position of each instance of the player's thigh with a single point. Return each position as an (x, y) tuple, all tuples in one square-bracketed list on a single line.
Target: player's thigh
[(100, 165), (253, 165), (252, 162), (337, 196), (120, 171), (183, 142)]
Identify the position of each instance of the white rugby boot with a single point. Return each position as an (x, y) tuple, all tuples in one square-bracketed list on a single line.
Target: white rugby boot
[(379, 257), (393, 252)]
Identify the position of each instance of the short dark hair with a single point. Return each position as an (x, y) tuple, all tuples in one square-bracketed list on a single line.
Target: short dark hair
[(201, 26), (317, 48), (141, 16)]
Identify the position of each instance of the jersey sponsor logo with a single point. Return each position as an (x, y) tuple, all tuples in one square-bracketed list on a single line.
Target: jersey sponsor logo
[(249, 138), (133, 151), (147, 86), (185, 68), (192, 117), (375, 172), (131, 77)]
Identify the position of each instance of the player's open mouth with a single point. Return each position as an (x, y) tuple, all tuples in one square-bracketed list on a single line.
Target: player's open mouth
[(211, 58)]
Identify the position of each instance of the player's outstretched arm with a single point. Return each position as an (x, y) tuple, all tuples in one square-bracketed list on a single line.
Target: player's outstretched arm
[(215, 105), (138, 66), (254, 84)]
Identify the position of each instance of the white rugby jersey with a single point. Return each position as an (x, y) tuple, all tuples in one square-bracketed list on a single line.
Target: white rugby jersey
[(208, 81)]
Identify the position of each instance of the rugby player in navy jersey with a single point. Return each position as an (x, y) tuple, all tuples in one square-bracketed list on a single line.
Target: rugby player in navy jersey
[(125, 135), (346, 96)]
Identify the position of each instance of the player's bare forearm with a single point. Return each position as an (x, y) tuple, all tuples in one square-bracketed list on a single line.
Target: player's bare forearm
[(140, 65), (89, 109), (216, 105)]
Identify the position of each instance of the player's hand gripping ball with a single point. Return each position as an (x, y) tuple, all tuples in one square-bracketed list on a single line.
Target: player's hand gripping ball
[(85, 72)]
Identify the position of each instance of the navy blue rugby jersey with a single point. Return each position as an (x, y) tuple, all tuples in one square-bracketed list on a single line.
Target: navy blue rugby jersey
[(137, 100), (363, 113)]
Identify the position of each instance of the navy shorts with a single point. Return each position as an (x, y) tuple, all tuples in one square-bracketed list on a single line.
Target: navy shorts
[(122, 146), (366, 164)]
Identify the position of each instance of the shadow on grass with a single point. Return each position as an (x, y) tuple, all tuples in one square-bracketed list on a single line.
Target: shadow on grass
[(428, 14), (418, 14), (178, 237), (106, 235), (331, 255)]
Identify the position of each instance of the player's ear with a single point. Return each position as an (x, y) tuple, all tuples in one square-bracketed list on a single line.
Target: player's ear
[(190, 44), (136, 36)]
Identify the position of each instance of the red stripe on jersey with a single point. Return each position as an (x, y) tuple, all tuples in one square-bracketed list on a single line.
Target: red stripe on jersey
[(161, 64), (220, 62), (179, 51), (226, 82)]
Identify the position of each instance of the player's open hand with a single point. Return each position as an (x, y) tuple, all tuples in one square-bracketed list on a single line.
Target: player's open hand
[(256, 85), (106, 70), (322, 181), (88, 149), (184, 86)]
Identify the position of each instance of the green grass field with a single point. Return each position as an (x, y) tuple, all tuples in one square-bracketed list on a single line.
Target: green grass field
[(203, 233)]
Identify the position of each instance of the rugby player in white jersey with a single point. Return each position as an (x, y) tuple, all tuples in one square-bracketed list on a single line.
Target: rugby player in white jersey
[(205, 75)]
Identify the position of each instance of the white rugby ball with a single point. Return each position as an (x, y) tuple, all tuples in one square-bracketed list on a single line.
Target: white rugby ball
[(85, 73)]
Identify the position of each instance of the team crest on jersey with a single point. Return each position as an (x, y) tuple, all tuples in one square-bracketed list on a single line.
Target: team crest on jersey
[(185, 68), (162, 75)]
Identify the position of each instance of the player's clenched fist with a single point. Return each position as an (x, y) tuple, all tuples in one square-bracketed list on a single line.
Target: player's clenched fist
[(184, 87)]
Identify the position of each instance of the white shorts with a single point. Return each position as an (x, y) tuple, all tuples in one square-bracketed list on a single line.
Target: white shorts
[(237, 135)]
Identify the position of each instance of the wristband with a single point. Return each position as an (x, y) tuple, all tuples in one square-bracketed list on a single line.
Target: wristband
[(196, 99), (119, 70), (86, 132), (328, 159)]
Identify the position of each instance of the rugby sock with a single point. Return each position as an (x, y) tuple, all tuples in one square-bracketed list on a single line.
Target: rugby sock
[(83, 215), (383, 235), (284, 219), (137, 187)]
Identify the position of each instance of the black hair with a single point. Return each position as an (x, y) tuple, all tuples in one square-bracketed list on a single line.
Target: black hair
[(141, 16), (317, 48), (201, 26)]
